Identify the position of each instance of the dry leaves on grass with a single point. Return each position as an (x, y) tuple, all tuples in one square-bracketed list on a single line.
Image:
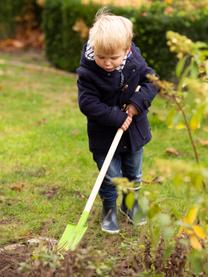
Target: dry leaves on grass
[(18, 187), (203, 142), (24, 39), (51, 192), (171, 151)]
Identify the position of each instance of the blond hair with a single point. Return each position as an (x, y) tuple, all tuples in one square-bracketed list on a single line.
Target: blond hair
[(110, 32)]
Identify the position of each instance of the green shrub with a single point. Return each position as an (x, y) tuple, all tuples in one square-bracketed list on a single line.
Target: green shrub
[(10, 10), (63, 44), (150, 35)]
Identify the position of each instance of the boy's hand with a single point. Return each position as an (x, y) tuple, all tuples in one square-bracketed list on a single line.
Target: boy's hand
[(132, 110), (126, 123)]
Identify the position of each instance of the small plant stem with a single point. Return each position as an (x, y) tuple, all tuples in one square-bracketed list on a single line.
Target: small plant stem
[(190, 136), (188, 129)]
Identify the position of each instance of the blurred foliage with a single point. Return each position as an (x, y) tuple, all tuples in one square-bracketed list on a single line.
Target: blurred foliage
[(8, 10), (16, 13), (188, 102), (183, 5), (66, 26), (189, 94), (124, 3), (188, 5)]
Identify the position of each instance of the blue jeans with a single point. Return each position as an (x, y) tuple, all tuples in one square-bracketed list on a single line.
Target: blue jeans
[(127, 165)]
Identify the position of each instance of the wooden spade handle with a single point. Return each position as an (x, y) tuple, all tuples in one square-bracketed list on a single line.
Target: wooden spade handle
[(103, 170)]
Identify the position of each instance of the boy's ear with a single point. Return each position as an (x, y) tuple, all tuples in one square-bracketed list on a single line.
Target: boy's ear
[(127, 51)]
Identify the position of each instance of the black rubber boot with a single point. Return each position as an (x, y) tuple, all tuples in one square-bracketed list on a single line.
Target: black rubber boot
[(109, 222), (134, 213)]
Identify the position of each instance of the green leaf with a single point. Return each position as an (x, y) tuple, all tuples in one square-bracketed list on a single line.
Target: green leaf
[(196, 261), (191, 215), (170, 118), (196, 119), (168, 232), (139, 217), (154, 211), (144, 203), (201, 44), (180, 66), (194, 71), (129, 200), (164, 219)]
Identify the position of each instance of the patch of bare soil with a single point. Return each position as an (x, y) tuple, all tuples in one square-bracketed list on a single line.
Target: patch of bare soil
[(11, 259), (36, 258), (21, 261)]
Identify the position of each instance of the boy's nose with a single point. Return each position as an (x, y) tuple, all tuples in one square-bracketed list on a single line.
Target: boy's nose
[(107, 62)]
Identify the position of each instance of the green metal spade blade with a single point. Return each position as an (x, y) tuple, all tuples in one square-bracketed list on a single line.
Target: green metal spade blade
[(73, 234), (71, 237)]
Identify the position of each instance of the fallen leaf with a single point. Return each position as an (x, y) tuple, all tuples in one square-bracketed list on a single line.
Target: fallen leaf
[(17, 44), (39, 240), (24, 38), (17, 187), (79, 194), (203, 142), (51, 192), (41, 121), (158, 180), (172, 151), (75, 132)]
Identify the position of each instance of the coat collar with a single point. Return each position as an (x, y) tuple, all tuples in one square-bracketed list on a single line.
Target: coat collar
[(131, 62)]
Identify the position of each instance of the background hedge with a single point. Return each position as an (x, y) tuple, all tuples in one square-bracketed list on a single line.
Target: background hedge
[(11, 9), (63, 44)]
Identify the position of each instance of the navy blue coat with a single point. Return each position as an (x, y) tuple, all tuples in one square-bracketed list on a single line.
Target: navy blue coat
[(102, 96)]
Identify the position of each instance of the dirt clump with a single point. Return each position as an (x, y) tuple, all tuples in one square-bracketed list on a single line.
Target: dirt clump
[(11, 259)]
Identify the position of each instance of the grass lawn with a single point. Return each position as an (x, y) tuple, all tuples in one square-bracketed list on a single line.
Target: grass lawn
[(46, 169)]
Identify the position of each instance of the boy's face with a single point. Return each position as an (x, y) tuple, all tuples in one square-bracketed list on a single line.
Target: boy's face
[(110, 62)]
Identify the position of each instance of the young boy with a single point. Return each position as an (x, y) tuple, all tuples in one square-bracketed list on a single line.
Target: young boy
[(114, 92)]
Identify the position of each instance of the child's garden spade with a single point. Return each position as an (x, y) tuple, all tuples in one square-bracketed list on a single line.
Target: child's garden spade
[(74, 233)]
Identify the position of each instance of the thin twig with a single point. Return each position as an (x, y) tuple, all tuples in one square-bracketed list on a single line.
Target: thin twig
[(188, 129)]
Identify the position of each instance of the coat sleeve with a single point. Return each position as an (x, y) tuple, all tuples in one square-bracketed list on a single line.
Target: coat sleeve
[(143, 98), (91, 105)]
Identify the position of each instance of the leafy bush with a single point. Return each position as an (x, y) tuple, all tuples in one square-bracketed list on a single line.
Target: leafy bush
[(63, 44), (8, 10), (12, 12), (187, 102), (66, 24)]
